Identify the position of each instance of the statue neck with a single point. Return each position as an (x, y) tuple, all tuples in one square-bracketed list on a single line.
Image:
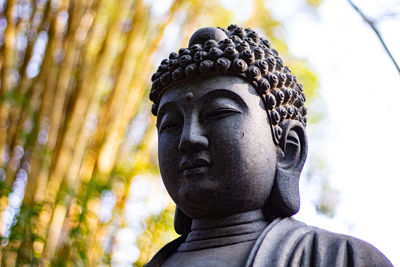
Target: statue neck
[(217, 232), (236, 219)]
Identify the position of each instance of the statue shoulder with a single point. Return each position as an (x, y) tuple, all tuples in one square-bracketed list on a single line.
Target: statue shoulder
[(330, 249), (292, 243), (163, 254)]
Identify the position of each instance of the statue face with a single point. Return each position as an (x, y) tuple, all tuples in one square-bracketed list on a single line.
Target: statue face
[(216, 152)]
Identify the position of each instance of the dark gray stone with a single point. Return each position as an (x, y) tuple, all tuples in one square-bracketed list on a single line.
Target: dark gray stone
[(232, 144)]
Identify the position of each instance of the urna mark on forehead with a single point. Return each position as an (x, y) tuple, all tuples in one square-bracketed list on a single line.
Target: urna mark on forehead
[(206, 89), (241, 52), (189, 97)]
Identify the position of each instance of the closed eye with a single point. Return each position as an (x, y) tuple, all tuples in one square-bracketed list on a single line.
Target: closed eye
[(169, 126), (220, 113)]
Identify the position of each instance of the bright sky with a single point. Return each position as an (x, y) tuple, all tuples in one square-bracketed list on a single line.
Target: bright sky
[(360, 138)]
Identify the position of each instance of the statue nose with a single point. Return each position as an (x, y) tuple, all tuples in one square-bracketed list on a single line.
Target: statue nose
[(192, 138)]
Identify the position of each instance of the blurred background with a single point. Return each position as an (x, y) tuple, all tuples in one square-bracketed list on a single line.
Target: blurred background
[(79, 180)]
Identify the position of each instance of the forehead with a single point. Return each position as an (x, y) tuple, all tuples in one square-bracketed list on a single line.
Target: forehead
[(197, 88)]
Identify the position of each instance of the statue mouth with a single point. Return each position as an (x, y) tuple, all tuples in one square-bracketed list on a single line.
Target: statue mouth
[(197, 166), (195, 171)]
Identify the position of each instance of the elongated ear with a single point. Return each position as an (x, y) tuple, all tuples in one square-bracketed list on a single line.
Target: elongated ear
[(293, 146), (292, 153), (182, 222)]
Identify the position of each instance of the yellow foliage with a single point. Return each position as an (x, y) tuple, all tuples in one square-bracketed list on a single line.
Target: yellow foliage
[(314, 3)]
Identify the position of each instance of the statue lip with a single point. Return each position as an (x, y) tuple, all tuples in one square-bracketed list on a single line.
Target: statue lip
[(197, 163)]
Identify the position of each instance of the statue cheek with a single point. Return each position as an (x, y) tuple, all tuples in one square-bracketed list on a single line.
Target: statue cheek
[(167, 147), (169, 165), (229, 129)]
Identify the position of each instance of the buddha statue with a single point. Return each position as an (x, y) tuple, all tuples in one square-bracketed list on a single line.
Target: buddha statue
[(232, 143)]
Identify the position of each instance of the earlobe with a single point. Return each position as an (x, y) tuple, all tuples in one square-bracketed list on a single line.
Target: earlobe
[(182, 222), (284, 200)]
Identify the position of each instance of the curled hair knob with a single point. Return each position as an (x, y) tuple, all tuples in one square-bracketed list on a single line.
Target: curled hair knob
[(210, 44), (248, 56), (239, 32), (195, 48), (183, 51), (290, 111), (288, 94), (266, 43), (254, 36), (273, 80), (274, 52), (231, 53), (206, 66), (223, 44), (262, 65), (271, 64), (303, 110), (173, 64), (162, 68), (215, 53), (281, 77), (258, 53), (253, 73), (239, 65), (165, 78), (155, 76), (232, 27), (263, 85), (173, 55), (275, 117), (190, 70), (278, 132), (279, 95), (289, 79), (279, 63), (185, 60), (250, 42), (236, 39), (271, 101), (282, 111), (199, 56), (177, 74), (165, 61), (242, 46), (222, 64), (154, 109)]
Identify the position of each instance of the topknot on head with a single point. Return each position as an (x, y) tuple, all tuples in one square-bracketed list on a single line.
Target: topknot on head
[(241, 52), (209, 33)]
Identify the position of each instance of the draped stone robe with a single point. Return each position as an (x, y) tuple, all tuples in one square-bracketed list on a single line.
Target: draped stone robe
[(288, 242)]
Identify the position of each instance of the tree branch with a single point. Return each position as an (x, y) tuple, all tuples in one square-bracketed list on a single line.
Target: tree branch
[(372, 25)]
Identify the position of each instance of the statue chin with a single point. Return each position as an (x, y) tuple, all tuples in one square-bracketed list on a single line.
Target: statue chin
[(197, 201), (197, 195), (203, 203)]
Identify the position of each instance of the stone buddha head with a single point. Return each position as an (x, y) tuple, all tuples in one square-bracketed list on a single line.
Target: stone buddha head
[(231, 127)]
